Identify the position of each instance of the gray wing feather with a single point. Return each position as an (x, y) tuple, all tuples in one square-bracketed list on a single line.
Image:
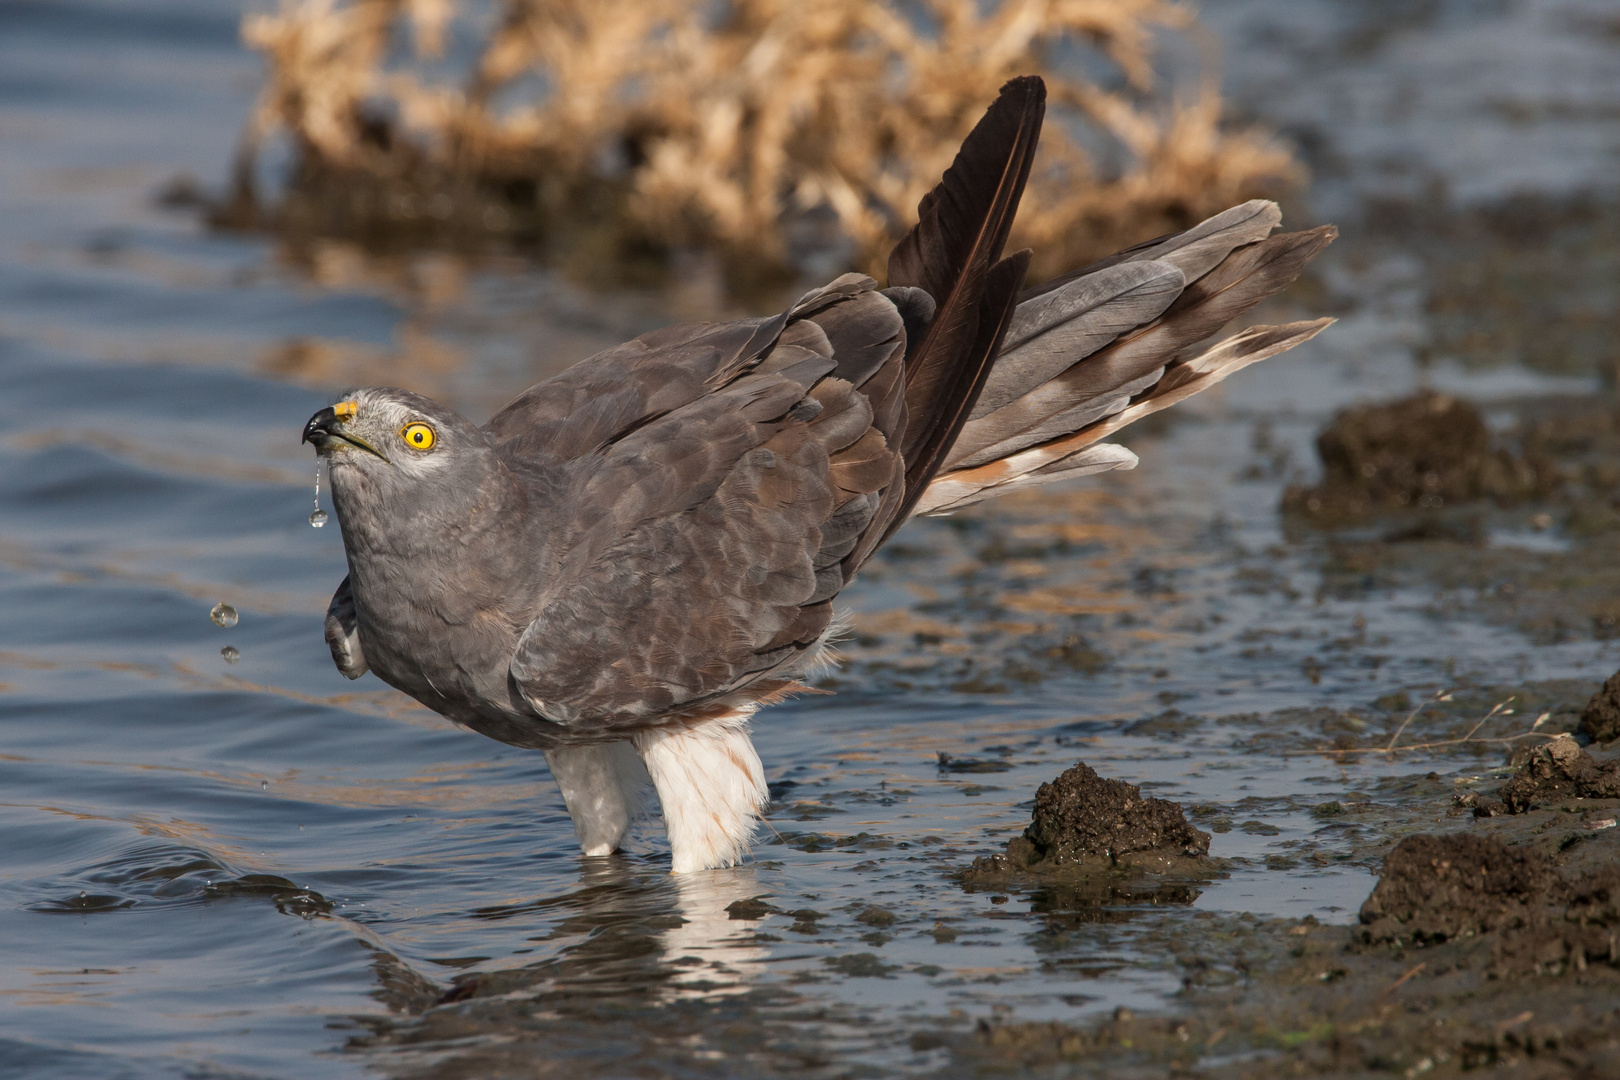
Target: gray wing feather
[(702, 545), (1201, 248), (1058, 329), (1196, 251), (1244, 278), (1074, 418)]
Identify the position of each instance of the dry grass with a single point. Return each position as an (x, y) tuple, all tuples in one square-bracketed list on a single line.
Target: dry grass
[(1471, 737), (763, 127)]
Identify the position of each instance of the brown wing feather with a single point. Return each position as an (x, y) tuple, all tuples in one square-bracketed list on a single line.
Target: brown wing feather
[(735, 477), (705, 543)]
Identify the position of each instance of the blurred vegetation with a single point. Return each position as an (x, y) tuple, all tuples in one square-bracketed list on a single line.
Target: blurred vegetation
[(781, 133)]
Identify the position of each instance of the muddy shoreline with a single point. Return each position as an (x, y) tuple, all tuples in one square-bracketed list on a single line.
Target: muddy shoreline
[(1491, 942), (1491, 937)]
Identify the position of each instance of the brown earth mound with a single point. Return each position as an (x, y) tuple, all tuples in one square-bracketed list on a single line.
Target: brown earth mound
[(1435, 888), (1438, 888), (1086, 824), (1423, 452), (1560, 769), (1601, 719), (1081, 814)]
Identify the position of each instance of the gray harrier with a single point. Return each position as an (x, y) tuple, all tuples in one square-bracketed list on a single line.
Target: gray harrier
[(631, 558)]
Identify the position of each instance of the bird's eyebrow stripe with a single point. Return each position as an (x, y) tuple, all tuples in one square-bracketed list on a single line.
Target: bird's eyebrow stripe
[(346, 410)]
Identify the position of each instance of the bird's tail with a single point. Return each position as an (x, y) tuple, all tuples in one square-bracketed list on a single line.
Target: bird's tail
[(1090, 352), (952, 260)]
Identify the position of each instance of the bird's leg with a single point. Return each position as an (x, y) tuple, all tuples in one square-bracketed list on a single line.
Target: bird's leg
[(711, 785), (604, 785)]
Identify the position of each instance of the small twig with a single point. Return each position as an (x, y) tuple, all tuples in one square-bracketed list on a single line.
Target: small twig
[(1391, 987), (1502, 1026), (1419, 746), (1499, 708), (1443, 695), (1494, 710)]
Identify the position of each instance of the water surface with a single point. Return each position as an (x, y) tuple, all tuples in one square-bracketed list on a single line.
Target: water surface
[(257, 868)]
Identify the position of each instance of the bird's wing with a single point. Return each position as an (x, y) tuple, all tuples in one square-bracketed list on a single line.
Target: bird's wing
[(602, 399), (711, 507), (727, 481)]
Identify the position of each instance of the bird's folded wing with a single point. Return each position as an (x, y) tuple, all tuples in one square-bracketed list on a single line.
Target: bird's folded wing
[(702, 540)]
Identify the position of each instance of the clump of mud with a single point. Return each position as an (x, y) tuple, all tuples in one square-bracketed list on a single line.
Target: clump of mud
[(1600, 721), (1423, 452), (1435, 888), (1559, 769), (1473, 955), (1438, 888), (1088, 827)]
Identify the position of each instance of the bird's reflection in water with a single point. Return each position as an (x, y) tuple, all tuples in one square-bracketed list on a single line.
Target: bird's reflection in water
[(645, 973), (711, 952), (631, 930)]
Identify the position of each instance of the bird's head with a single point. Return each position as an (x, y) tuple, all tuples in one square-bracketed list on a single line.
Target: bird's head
[(401, 457)]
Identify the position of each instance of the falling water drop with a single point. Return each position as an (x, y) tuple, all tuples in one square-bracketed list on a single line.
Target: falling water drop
[(223, 614), (264, 785), (317, 517), (230, 654)]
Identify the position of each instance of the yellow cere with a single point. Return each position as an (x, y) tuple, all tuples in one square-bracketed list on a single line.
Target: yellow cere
[(417, 436), (345, 410)]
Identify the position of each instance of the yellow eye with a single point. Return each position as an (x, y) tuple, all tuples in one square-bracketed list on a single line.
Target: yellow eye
[(417, 436)]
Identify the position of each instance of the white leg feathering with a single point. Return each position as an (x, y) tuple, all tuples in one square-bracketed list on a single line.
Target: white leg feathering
[(605, 787), (712, 788)]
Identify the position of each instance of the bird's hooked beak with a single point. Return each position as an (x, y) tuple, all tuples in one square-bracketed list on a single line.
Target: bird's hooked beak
[(326, 429)]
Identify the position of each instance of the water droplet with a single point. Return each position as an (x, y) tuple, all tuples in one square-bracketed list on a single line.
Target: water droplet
[(223, 614), (264, 785), (229, 654), (82, 894), (317, 517)]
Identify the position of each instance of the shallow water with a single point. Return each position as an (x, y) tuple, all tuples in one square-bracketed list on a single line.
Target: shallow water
[(258, 868)]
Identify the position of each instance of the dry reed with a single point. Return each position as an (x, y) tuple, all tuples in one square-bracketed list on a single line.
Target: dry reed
[(763, 127), (1471, 737)]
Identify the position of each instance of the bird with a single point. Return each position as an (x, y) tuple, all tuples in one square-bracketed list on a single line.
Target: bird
[(629, 560)]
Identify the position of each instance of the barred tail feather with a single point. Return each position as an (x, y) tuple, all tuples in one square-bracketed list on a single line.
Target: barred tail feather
[(1081, 452)]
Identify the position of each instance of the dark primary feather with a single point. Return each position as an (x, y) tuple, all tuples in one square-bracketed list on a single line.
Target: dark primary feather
[(953, 254)]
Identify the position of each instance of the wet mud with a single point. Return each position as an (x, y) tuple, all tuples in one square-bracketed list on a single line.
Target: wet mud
[(1558, 770), (1102, 838), (1429, 450), (1494, 947), (1600, 720), (1514, 521)]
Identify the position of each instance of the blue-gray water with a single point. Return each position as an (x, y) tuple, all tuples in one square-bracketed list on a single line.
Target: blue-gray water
[(260, 869)]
